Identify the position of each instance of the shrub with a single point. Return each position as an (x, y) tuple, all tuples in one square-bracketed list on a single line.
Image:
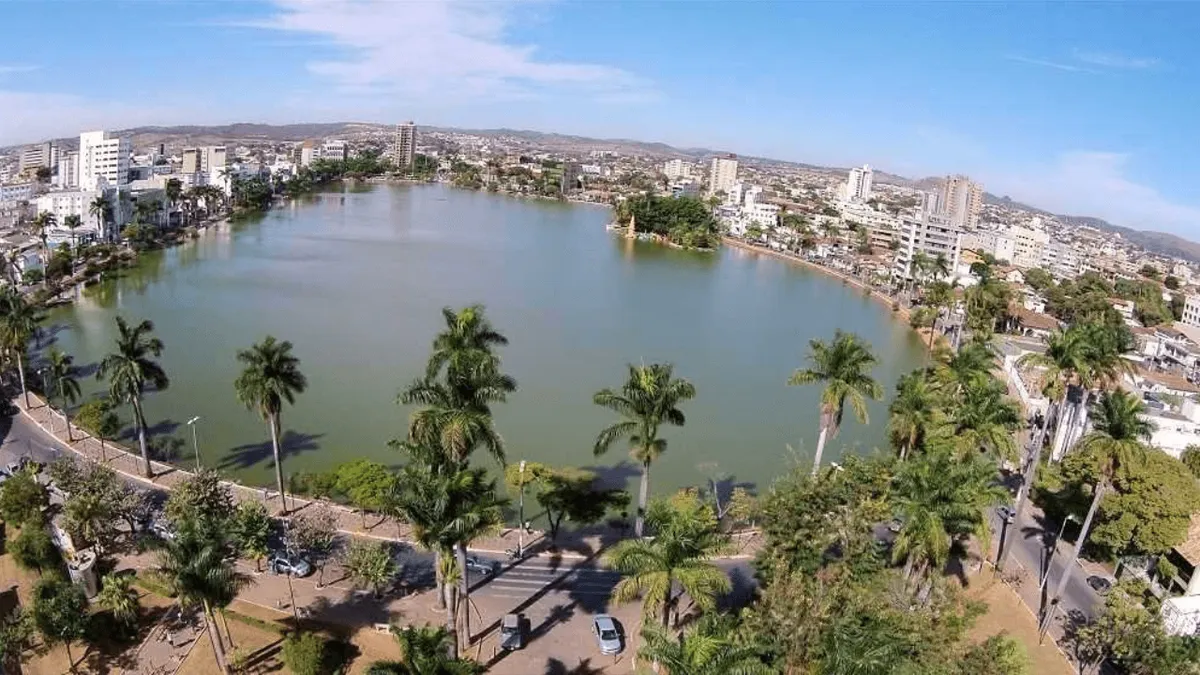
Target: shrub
[(304, 654)]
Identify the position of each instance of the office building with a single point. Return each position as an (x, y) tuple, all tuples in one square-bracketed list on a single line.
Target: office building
[(858, 184), (676, 169), (933, 235), (335, 150), (204, 159), (404, 148), (40, 155), (103, 160), (961, 201), (67, 176), (723, 174)]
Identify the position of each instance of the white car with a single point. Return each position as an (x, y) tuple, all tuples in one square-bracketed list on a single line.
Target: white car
[(608, 636)]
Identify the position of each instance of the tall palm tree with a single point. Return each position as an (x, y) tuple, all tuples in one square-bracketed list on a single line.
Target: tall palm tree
[(678, 555), (198, 565), (423, 651), (912, 413), (270, 378), (61, 372), (844, 367), (99, 208), (18, 323), (43, 222), (939, 267), (72, 223), (1116, 441), (971, 365), (649, 399), (939, 295), (1105, 368), (130, 369), (986, 419), (708, 648)]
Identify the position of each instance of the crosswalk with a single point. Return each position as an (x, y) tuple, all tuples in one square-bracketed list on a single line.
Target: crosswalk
[(537, 575)]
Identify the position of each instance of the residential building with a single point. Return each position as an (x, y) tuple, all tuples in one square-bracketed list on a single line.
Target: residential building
[(13, 193), (65, 203), (676, 169), (103, 160), (41, 155), (685, 187), (404, 148), (858, 184), (204, 159), (1191, 311), (961, 201), (304, 153), (67, 176), (333, 149), (932, 235), (723, 174), (1060, 260)]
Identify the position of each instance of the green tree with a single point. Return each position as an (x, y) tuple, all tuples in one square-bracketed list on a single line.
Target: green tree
[(708, 648), (571, 494), (305, 653), (424, 651), (22, 498), (911, 413), (130, 370), (1150, 272), (34, 549), (679, 554), (252, 531), (98, 417), (1038, 279), (90, 519), (117, 595), (270, 378), (649, 399), (60, 613), (1191, 459), (986, 419), (1114, 444), (201, 497), (18, 323), (315, 535), (369, 563), (997, 655), (1171, 282), (367, 484), (16, 636), (844, 367), (61, 372)]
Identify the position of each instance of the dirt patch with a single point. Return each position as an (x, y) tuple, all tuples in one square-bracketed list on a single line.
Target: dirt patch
[(1008, 614)]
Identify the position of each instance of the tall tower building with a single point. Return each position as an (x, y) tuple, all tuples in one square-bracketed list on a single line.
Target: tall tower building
[(858, 184), (404, 149), (103, 159), (962, 201), (723, 174), (676, 169)]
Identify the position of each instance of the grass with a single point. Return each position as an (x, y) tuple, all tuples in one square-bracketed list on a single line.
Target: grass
[(1007, 613)]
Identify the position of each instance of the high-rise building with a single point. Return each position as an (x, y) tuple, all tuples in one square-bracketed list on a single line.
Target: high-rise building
[(38, 156), (932, 235), (404, 149), (67, 177), (858, 184), (723, 174), (204, 159), (304, 153), (961, 201), (676, 169), (103, 158)]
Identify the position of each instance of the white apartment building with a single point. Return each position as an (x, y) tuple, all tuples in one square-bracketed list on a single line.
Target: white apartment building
[(932, 235), (858, 184), (204, 159), (1028, 247), (334, 150), (67, 177), (1060, 260), (404, 147), (13, 193), (103, 160), (77, 203), (38, 156), (865, 215), (1191, 311), (723, 174), (961, 201), (676, 169)]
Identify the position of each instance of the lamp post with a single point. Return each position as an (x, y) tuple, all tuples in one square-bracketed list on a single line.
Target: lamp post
[(46, 392), (521, 515), (195, 442), (1054, 549)]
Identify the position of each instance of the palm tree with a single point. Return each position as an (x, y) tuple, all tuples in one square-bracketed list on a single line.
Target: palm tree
[(938, 267), (649, 399), (198, 565), (43, 222), (970, 366), (61, 371), (270, 378), (986, 419), (130, 369), (1105, 368), (1115, 441), (423, 651), (917, 267), (99, 209), (912, 413), (844, 367), (18, 322), (678, 555), (707, 649), (120, 597), (939, 295), (72, 223)]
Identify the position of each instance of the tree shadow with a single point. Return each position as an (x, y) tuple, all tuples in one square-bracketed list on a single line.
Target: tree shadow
[(584, 667), (292, 443), (615, 477), (742, 588)]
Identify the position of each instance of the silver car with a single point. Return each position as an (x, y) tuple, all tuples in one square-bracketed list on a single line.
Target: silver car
[(281, 563), (608, 636)]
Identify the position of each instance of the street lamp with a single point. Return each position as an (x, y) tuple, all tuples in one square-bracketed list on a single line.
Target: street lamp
[(521, 514), (1054, 549), (195, 443)]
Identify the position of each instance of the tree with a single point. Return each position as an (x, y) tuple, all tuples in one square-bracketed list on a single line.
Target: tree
[(16, 636), (985, 419), (1191, 459), (18, 323), (314, 534), (1038, 279), (305, 653), (843, 366), (90, 519), (997, 655), (60, 613), (649, 399), (252, 531), (370, 564), (130, 370), (572, 494), (367, 484), (912, 413), (1115, 443), (62, 374), (34, 549), (271, 377), (424, 651), (43, 222), (101, 210), (202, 497), (1150, 272), (118, 596), (99, 418), (198, 565), (685, 540), (706, 649), (22, 498)]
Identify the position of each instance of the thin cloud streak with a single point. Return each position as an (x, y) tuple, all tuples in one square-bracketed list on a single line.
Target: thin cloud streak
[(1050, 64), (1109, 60), (13, 68)]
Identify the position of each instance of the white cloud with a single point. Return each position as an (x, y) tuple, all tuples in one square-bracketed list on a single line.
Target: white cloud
[(14, 68), (439, 50), (1050, 64), (1096, 183), (1110, 60)]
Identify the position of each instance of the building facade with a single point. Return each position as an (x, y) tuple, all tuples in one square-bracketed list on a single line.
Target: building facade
[(932, 235), (38, 156), (204, 159), (404, 147), (961, 201), (858, 184), (67, 177), (13, 193), (722, 175), (103, 160), (676, 169), (1191, 311)]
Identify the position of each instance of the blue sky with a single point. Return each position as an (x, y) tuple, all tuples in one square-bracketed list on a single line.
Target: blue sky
[(1085, 108)]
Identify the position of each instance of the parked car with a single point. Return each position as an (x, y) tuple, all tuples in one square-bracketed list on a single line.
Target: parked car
[(1006, 513), (482, 565), (608, 636), (1100, 584), (512, 632), (282, 563)]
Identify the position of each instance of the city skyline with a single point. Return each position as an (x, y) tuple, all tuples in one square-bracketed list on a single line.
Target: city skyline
[(1057, 106)]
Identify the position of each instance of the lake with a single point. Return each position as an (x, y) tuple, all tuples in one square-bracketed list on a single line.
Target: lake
[(356, 278)]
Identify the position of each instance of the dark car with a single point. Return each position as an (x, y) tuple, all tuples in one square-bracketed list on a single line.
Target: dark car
[(512, 632), (1006, 513), (482, 565), (1100, 584)]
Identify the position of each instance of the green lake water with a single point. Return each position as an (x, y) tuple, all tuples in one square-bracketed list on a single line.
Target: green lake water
[(356, 277)]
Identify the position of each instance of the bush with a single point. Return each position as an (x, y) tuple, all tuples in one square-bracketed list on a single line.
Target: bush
[(304, 654)]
